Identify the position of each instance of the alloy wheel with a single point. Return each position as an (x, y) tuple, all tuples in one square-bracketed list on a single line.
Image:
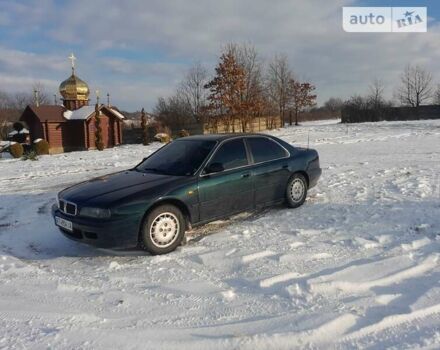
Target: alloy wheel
[(164, 230), (297, 189)]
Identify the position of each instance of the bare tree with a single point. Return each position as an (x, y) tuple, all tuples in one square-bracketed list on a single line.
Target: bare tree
[(253, 99), (279, 77), (416, 86), (21, 99), (174, 112), (376, 93), (192, 89), (5, 100), (436, 98), (5, 103), (13, 104), (42, 96), (333, 106), (246, 56)]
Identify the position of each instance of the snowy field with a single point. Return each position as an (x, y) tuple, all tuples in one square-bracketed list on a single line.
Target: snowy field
[(356, 267)]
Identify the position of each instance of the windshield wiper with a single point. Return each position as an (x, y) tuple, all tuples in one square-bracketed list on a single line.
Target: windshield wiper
[(157, 171)]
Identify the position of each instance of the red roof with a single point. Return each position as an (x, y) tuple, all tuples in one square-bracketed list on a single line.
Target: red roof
[(47, 112), (54, 113)]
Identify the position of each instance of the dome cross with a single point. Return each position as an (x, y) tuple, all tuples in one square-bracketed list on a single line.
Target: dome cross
[(72, 58)]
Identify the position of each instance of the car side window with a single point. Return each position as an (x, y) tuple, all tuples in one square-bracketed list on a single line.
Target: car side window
[(232, 154), (264, 149)]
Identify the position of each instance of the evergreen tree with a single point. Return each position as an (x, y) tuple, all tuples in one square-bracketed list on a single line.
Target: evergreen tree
[(98, 130), (144, 128)]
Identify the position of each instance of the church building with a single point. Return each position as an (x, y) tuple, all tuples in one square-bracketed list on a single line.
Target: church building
[(72, 125)]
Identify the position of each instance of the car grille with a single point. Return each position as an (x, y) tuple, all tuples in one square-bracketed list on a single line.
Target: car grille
[(68, 208)]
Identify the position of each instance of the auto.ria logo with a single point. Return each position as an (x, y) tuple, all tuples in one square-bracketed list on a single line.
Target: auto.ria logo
[(409, 19), (384, 19)]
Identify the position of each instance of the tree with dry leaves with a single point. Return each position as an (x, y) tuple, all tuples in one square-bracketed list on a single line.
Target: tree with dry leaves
[(226, 91), (253, 98), (302, 97)]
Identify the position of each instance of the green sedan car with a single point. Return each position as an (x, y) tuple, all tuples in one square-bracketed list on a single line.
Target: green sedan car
[(188, 182)]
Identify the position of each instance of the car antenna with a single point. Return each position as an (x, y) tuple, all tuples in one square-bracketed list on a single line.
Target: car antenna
[(308, 139)]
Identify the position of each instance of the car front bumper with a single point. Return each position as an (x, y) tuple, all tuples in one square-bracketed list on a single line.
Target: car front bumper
[(114, 233)]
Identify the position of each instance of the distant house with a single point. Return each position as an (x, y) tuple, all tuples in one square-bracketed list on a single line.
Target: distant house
[(71, 126)]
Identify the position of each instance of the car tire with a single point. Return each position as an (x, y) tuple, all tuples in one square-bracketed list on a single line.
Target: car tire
[(163, 230), (296, 190)]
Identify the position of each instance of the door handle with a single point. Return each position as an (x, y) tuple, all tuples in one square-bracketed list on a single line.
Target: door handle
[(285, 166), (245, 175)]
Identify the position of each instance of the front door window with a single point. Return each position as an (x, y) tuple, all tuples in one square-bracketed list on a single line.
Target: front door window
[(230, 155)]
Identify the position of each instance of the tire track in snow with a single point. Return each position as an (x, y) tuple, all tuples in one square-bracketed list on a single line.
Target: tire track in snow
[(393, 321), (269, 282), (323, 334), (255, 256), (355, 287)]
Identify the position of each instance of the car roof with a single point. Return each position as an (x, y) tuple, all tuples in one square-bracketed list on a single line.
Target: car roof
[(220, 137)]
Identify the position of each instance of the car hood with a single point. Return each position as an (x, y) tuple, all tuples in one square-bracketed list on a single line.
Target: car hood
[(103, 185)]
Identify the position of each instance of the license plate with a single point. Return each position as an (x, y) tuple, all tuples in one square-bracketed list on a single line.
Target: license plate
[(66, 224)]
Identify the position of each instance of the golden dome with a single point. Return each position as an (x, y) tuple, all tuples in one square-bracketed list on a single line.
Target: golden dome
[(73, 88)]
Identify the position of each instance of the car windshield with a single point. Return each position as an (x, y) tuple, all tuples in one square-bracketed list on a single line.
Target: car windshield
[(179, 158)]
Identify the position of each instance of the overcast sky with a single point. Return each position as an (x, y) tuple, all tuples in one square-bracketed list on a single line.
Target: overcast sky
[(137, 50)]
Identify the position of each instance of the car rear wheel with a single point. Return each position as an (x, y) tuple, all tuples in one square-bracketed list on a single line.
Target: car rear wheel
[(163, 230), (296, 191)]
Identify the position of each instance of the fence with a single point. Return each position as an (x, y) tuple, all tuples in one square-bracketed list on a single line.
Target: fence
[(255, 125), (133, 135), (358, 115)]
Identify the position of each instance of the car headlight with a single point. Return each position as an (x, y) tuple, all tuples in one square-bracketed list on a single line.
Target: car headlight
[(95, 212)]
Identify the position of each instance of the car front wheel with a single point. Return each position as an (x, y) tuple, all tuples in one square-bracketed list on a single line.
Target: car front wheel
[(163, 230), (296, 191)]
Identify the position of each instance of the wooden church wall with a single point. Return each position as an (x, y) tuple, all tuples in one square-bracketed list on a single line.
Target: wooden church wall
[(54, 132), (109, 131)]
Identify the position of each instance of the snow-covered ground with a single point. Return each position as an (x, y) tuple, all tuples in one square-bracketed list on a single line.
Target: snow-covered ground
[(357, 266)]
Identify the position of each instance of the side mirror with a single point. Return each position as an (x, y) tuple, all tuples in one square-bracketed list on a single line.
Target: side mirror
[(214, 168)]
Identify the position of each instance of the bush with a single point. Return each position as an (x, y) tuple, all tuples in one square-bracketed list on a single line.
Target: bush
[(31, 155), (183, 133), (16, 150), (41, 147), (18, 126), (163, 137)]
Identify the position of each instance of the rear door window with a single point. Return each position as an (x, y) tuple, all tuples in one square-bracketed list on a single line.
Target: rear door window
[(264, 149)]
